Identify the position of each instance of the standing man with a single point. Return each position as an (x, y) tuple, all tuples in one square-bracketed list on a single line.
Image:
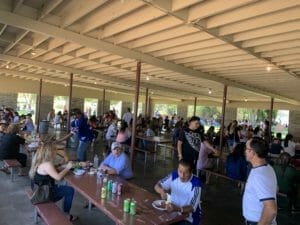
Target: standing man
[(259, 199), (189, 141), (182, 190), (127, 116), (85, 135), (84, 132)]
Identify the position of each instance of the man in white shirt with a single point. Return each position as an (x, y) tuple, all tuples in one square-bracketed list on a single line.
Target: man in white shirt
[(259, 199), (127, 116), (185, 192)]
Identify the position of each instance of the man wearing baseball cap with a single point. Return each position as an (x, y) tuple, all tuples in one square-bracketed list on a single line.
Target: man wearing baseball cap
[(117, 162)]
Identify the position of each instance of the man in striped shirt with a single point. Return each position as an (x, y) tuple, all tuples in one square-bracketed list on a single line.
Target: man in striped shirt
[(185, 190)]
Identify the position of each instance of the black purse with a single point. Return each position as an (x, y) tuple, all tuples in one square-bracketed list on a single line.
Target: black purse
[(42, 194)]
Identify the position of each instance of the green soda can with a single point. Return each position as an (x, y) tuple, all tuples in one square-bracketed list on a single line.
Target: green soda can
[(126, 205), (132, 208), (109, 185)]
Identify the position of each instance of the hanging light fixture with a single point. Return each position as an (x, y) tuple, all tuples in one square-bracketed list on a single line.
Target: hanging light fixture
[(209, 91), (147, 78), (269, 68)]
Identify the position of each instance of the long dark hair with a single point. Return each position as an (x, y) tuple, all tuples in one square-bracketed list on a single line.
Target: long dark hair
[(288, 138), (123, 126)]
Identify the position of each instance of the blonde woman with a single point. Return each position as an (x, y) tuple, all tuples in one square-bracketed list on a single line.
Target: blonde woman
[(43, 172)]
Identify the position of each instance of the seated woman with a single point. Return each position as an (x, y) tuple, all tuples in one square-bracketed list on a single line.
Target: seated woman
[(28, 125), (117, 162), (10, 146), (236, 164), (286, 178), (43, 172)]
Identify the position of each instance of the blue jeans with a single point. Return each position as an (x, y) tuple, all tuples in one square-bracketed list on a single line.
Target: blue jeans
[(81, 150), (66, 192)]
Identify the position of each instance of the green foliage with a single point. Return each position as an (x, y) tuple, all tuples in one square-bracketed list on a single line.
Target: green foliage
[(206, 112), (255, 115), (165, 109)]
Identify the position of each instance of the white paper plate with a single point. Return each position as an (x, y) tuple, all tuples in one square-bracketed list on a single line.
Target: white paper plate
[(157, 204), (79, 172)]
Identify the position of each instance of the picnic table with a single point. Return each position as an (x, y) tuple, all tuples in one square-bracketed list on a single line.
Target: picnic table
[(157, 141), (90, 188)]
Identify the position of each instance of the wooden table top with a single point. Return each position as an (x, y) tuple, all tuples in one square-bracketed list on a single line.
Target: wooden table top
[(112, 205)]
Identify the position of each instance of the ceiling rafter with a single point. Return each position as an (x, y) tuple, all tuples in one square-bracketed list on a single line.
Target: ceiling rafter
[(103, 77), (61, 80), (202, 25), (40, 27)]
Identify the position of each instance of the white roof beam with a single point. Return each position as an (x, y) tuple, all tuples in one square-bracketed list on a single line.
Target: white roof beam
[(47, 29), (210, 8), (109, 13), (145, 14), (103, 77), (271, 39), (250, 11), (261, 21), (226, 4), (19, 37), (16, 4), (46, 9), (77, 83), (79, 10), (3, 29)]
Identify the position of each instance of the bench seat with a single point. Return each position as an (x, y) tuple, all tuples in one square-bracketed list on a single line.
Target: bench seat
[(50, 213), (12, 164)]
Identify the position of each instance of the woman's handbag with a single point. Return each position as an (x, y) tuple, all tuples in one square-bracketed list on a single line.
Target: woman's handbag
[(42, 194)]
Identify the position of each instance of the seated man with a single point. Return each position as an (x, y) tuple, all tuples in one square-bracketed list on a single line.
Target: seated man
[(185, 191), (117, 162)]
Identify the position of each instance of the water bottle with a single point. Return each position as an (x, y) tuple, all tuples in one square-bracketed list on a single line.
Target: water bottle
[(96, 162)]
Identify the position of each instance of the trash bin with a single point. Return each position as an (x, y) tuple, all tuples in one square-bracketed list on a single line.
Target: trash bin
[(44, 125)]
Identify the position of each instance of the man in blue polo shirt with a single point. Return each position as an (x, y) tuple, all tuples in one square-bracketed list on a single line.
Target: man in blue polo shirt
[(185, 192), (259, 199)]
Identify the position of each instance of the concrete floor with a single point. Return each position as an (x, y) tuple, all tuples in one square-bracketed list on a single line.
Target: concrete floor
[(221, 200)]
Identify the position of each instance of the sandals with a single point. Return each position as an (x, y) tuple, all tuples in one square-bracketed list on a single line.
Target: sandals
[(73, 218)]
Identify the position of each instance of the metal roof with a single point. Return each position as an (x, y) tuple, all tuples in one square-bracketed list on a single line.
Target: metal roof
[(186, 47)]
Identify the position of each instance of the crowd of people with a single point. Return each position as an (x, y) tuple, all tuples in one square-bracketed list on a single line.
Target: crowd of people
[(263, 163)]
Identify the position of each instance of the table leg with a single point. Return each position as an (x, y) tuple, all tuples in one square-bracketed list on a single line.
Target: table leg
[(90, 206), (155, 152)]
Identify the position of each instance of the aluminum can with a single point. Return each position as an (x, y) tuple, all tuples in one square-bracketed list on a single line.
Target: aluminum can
[(126, 205), (132, 207), (119, 189), (109, 185), (103, 192), (114, 187)]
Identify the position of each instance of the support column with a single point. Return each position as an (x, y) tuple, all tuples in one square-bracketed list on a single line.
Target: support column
[(195, 105), (146, 102), (70, 103), (103, 102), (270, 119), (39, 106), (223, 117), (136, 104)]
